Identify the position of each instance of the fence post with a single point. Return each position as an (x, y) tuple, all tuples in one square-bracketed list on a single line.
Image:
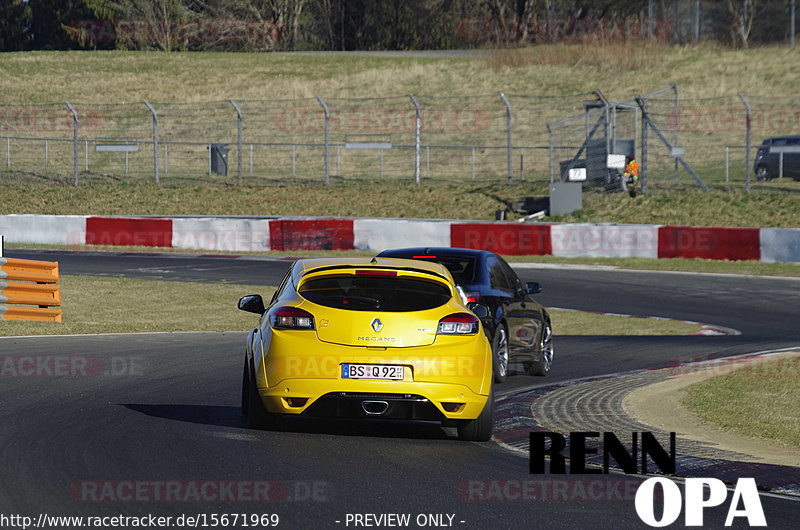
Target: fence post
[(605, 103), (677, 114), (74, 143), (647, 122), (325, 109), (551, 149), (238, 136), (155, 138), (747, 143), (1, 154), (416, 139), (644, 147), (508, 133)]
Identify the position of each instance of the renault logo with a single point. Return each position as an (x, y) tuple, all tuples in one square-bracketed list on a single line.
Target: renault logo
[(376, 324)]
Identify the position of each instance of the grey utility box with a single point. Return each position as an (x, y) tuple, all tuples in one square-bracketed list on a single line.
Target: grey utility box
[(219, 159), (565, 197)]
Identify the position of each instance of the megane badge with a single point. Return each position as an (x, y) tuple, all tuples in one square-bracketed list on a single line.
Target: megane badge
[(376, 324)]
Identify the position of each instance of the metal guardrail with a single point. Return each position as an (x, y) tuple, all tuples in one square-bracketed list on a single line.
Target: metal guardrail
[(29, 290)]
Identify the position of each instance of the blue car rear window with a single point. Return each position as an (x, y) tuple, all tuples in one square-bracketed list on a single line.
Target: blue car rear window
[(462, 268), (382, 293)]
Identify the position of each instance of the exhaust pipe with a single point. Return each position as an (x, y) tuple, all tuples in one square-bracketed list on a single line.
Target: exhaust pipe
[(374, 408)]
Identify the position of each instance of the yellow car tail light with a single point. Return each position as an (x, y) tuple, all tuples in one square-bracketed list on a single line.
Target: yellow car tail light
[(287, 317), (458, 324)]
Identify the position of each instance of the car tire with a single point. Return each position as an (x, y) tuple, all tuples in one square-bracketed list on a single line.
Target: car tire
[(545, 362), (763, 174), (480, 429), (256, 415), (500, 354)]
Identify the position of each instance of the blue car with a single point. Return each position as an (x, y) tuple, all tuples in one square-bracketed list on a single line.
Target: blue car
[(517, 326), (778, 157)]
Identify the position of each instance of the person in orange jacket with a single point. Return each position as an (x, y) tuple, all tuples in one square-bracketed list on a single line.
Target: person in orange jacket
[(631, 175)]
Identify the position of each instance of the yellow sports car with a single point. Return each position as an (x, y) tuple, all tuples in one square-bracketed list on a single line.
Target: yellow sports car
[(369, 338)]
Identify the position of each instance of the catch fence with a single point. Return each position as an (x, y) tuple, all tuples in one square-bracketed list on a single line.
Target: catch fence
[(417, 138)]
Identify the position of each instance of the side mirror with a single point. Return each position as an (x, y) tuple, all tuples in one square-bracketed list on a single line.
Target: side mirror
[(533, 288), (252, 303), (480, 310)]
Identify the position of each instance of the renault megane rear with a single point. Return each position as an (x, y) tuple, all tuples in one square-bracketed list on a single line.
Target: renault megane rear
[(369, 338)]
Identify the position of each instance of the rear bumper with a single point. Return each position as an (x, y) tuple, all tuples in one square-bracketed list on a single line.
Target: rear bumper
[(384, 406), (298, 374), (364, 398)]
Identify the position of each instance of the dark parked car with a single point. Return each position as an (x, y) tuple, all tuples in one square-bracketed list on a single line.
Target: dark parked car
[(767, 165), (518, 327)]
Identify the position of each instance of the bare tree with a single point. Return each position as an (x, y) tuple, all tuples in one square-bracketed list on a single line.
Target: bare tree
[(740, 20)]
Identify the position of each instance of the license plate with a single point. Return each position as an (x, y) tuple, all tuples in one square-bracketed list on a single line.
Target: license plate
[(372, 371)]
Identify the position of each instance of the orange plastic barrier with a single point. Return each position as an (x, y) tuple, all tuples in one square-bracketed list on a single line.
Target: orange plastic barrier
[(32, 289)]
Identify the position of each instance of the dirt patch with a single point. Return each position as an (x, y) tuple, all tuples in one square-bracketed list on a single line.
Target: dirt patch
[(659, 405)]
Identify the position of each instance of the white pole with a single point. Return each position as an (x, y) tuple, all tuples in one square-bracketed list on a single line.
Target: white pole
[(473, 163), (428, 160), (726, 162)]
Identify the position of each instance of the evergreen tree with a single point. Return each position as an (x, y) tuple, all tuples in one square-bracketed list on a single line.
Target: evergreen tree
[(13, 25), (51, 21)]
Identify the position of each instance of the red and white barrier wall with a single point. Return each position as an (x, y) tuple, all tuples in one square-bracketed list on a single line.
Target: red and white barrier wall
[(313, 233)]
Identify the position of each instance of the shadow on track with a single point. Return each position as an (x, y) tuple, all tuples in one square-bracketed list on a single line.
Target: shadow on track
[(222, 416)]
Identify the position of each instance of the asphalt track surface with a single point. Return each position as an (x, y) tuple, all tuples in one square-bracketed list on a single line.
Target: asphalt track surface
[(154, 426)]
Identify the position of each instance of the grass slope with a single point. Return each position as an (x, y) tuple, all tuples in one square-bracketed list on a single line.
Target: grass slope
[(617, 69), (451, 200)]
